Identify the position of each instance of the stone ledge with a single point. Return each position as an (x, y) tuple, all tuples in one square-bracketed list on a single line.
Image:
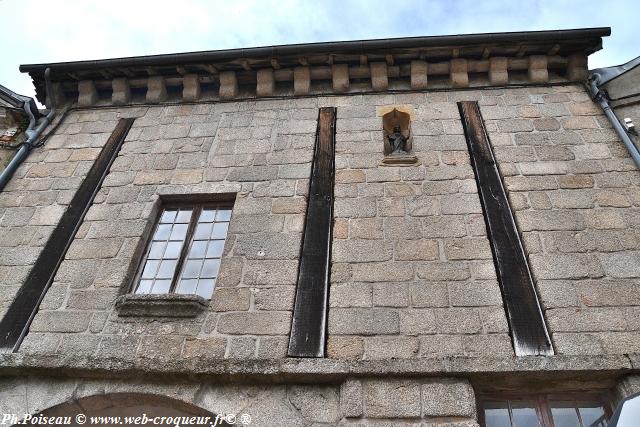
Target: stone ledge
[(330, 371), (160, 305)]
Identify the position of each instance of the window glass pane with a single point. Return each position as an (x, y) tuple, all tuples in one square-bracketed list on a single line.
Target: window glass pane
[(207, 215), (524, 414), (219, 230), (157, 249), (591, 415), (223, 215), (173, 250), (198, 249), (203, 231), (192, 269), (162, 232), (161, 286), (205, 288), (215, 249), (167, 267), (211, 267), (496, 414), (144, 287), (187, 286), (150, 269), (202, 264), (184, 216), (565, 417), (179, 232), (168, 217)]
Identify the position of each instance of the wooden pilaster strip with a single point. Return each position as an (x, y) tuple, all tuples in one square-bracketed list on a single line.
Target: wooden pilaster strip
[(524, 314), (15, 323), (308, 328)]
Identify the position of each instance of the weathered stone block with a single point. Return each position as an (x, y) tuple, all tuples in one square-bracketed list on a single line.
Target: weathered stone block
[(361, 251), (156, 89), (419, 72), (340, 76), (317, 404), (379, 79), (441, 398), (301, 80), (385, 348), (265, 82), (228, 85), (255, 323), (405, 404), (191, 87), (121, 91), (577, 67), (87, 93), (363, 321), (351, 398), (538, 72), (498, 74), (458, 73)]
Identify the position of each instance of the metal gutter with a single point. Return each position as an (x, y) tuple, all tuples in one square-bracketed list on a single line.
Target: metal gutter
[(32, 135), (357, 46)]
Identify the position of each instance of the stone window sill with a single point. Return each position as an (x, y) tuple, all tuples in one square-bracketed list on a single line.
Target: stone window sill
[(160, 305)]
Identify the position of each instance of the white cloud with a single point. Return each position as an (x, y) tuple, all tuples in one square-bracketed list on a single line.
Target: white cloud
[(36, 31)]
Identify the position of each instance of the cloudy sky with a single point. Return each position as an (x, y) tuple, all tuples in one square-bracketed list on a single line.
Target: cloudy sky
[(37, 31)]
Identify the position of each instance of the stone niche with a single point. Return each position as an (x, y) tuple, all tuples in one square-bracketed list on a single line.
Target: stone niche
[(396, 126)]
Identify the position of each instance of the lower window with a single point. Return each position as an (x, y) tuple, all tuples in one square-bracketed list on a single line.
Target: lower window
[(183, 255), (563, 410)]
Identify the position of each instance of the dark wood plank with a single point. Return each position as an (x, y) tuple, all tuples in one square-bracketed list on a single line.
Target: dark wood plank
[(527, 324), (15, 323), (308, 327)]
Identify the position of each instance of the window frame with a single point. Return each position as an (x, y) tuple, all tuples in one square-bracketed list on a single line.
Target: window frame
[(542, 403), (196, 205)]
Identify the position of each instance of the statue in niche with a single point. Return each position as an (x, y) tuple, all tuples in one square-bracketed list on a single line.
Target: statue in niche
[(397, 141), (396, 127)]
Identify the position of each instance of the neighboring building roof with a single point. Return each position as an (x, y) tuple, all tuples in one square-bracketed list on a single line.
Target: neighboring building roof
[(397, 51), (609, 73), (9, 98)]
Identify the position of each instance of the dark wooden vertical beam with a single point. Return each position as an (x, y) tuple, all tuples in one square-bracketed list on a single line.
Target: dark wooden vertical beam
[(15, 323), (308, 328), (527, 324)]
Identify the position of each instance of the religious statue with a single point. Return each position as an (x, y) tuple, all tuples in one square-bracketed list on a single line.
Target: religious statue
[(397, 141)]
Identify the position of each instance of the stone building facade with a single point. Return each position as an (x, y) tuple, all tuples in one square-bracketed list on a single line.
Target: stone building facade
[(416, 327)]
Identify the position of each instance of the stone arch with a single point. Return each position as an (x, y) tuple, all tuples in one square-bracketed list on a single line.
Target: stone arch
[(130, 405)]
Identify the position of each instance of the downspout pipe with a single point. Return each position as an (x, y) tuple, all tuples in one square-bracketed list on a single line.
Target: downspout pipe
[(32, 132), (602, 99)]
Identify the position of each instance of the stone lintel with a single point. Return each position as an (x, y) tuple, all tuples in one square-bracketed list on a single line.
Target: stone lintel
[(577, 67), (340, 76), (161, 305), (265, 82), (156, 89), (538, 72), (121, 91), (419, 73), (228, 85), (559, 368), (458, 73), (498, 74), (191, 87), (301, 80), (87, 94), (379, 77)]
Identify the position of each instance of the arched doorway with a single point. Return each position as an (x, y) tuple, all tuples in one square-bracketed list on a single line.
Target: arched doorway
[(128, 409)]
